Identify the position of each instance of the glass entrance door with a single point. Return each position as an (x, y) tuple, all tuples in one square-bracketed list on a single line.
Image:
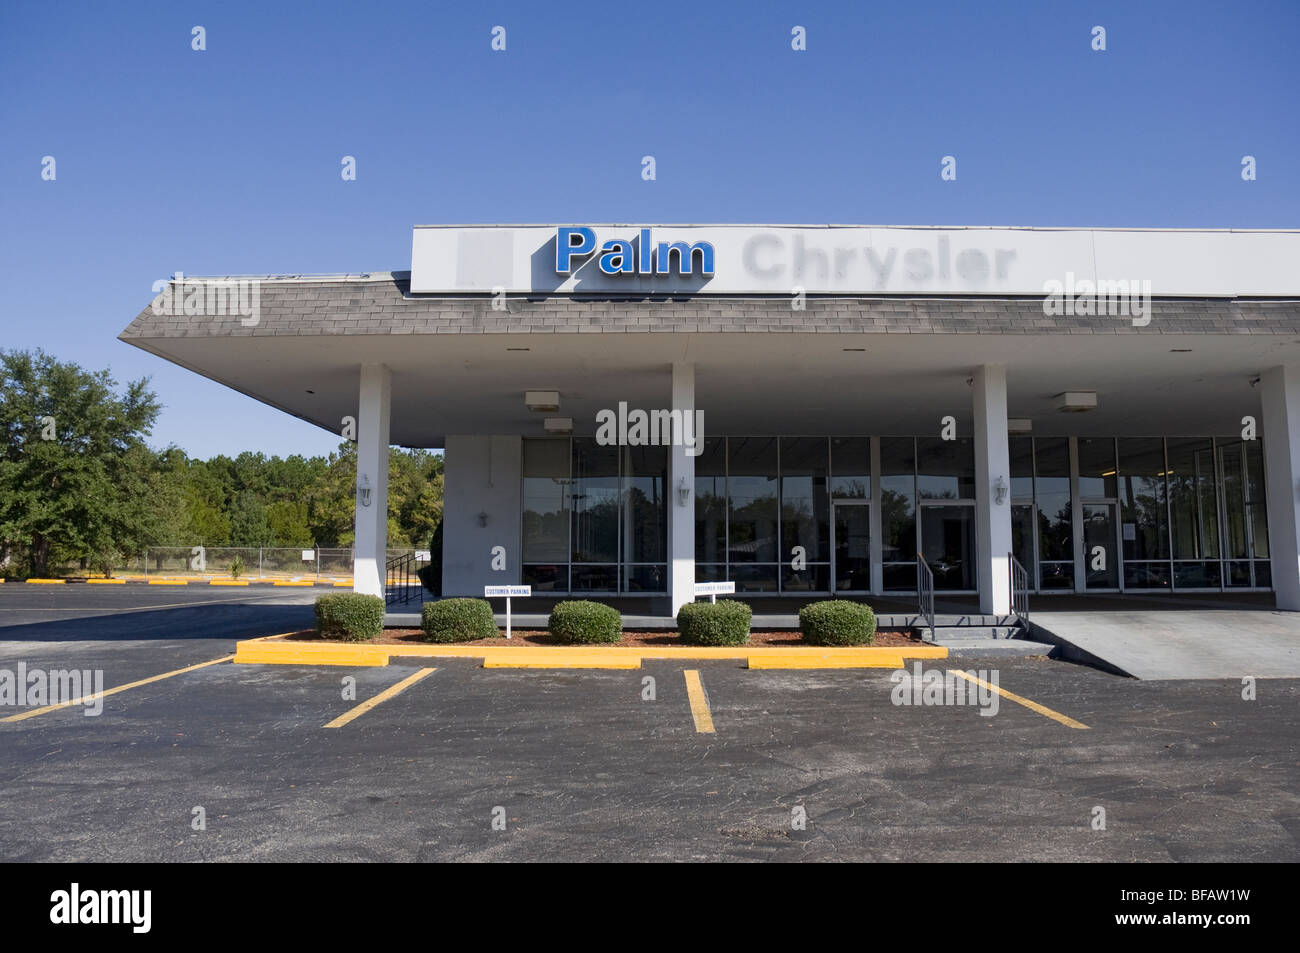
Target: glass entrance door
[(948, 544), (1100, 551), (851, 571)]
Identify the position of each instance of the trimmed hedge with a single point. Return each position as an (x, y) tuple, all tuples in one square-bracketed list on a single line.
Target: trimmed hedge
[(837, 622), (350, 616), (458, 620), (580, 622), (725, 622)]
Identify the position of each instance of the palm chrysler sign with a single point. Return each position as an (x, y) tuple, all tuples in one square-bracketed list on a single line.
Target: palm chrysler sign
[(843, 259), (631, 256)]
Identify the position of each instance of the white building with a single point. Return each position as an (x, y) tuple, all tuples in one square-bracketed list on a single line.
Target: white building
[(1108, 405)]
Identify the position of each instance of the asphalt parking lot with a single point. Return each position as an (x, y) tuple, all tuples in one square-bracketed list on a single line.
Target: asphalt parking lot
[(583, 765)]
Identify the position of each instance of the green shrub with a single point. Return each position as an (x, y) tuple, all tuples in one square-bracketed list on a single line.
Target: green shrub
[(585, 623), (236, 568), (725, 622), (458, 620), (350, 616), (837, 622)]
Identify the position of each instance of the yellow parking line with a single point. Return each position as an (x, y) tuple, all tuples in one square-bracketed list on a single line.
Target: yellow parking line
[(1032, 706), (113, 691), (383, 696), (699, 702)]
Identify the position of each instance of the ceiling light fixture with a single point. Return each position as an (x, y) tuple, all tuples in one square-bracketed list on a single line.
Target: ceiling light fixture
[(1076, 401), (558, 425), (542, 401)]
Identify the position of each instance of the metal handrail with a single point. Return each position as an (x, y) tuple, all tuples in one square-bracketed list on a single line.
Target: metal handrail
[(925, 592), (398, 573), (1019, 589)]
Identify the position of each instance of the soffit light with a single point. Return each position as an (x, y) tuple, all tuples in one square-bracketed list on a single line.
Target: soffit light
[(1076, 401), (558, 425), (542, 401), (1019, 425)]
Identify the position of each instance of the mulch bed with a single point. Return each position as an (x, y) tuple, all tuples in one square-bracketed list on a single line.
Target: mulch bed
[(630, 639)]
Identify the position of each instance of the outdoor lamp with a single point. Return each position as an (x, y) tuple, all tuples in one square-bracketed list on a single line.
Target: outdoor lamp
[(683, 493), (365, 490), (482, 519), (1000, 491)]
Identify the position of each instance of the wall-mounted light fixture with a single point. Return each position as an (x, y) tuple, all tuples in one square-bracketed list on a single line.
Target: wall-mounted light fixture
[(683, 493), (364, 490), (1000, 491), (482, 519)]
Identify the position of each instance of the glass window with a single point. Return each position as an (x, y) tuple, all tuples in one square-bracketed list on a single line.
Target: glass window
[(711, 504), (1022, 468), (805, 506), (752, 489), (851, 468), (595, 504), (546, 501), (1144, 527), (898, 511), (948, 542), (1055, 516), (1255, 497), (945, 469), (1234, 505), (1194, 515), (1097, 468), (645, 513)]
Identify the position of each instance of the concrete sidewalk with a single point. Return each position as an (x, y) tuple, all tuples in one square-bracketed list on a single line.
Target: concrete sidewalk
[(1181, 643)]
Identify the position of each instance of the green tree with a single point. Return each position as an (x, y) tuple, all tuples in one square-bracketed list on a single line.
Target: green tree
[(75, 472)]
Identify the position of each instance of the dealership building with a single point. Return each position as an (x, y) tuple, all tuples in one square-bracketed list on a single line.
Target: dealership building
[(627, 410)]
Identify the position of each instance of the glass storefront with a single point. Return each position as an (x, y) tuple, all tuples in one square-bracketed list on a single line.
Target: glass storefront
[(798, 514), (594, 517)]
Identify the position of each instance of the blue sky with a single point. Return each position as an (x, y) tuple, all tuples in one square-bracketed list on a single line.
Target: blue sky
[(227, 161)]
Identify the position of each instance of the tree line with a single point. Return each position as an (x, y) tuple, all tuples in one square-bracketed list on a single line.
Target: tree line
[(79, 485)]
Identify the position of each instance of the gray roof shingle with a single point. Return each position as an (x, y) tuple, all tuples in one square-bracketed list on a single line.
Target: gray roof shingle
[(382, 304)]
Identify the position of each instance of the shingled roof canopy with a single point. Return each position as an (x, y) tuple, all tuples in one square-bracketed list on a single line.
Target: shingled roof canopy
[(461, 363)]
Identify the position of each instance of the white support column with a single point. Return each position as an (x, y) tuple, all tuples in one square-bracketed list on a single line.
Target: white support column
[(681, 519), (992, 463), (1280, 396), (370, 548)]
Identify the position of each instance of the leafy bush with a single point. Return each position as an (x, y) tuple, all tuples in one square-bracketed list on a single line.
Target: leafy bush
[(837, 622), (236, 567), (725, 622), (350, 616), (585, 623), (458, 620)]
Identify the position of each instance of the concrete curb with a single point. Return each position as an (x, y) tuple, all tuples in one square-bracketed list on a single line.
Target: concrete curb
[(187, 581), (275, 650)]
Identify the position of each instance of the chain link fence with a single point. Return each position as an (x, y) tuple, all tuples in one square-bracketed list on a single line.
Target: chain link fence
[(245, 562)]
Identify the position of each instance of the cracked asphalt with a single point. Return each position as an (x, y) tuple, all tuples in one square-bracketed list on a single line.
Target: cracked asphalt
[(584, 765)]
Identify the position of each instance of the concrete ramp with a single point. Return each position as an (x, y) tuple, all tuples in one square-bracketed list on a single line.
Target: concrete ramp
[(1179, 643)]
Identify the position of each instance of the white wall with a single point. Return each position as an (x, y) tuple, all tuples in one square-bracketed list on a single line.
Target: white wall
[(482, 475), (1280, 400)]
